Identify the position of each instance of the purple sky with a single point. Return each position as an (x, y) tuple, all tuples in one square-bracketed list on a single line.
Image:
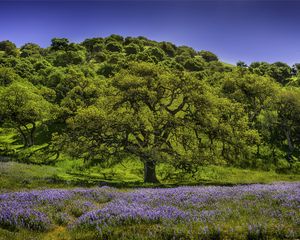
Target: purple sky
[(234, 30)]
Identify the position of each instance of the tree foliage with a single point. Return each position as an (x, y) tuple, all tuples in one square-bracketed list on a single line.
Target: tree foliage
[(21, 107), (117, 97)]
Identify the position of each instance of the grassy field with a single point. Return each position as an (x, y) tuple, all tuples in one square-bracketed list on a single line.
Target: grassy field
[(19, 176), (207, 212), (67, 201)]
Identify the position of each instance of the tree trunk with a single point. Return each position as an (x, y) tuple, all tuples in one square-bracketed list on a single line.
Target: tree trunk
[(258, 150), (290, 144), (223, 150), (32, 132), (25, 141), (149, 172), (273, 153)]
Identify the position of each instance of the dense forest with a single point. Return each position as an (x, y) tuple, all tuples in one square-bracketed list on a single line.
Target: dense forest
[(109, 99)]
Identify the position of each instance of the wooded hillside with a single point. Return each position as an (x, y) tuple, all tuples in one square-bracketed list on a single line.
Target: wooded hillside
[(110, 99)]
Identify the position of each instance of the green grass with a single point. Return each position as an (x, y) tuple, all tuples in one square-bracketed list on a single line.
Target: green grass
[(9, 141), (68, 173), (229, 175), (228, 64), (16, 176)]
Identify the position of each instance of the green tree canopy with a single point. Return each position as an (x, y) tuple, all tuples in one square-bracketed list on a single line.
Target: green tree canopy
[(142, 121), (59, 44), (208, 56), (21, 107), (9, 48)]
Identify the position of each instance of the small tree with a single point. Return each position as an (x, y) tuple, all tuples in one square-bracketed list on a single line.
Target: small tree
[(113, 47), (208, 56), (289, 120), (31, 50), (168, 48), (59, 44), (21, 107), (9, 48), (241, 64)]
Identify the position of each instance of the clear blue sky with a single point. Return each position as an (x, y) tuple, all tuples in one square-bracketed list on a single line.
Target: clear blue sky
[(234, 30)]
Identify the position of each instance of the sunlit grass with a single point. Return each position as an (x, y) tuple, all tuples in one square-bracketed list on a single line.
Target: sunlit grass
[(68, 173)]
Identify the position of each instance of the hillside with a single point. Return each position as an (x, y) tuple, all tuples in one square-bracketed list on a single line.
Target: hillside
[(109, 100)]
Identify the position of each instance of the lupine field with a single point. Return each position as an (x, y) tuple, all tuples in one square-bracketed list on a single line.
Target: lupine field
[(255, 211)]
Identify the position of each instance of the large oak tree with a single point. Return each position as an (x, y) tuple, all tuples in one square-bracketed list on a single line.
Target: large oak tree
[(143, 115)]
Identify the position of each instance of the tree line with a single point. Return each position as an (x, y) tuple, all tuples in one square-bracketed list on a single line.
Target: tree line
[(108, 99)]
